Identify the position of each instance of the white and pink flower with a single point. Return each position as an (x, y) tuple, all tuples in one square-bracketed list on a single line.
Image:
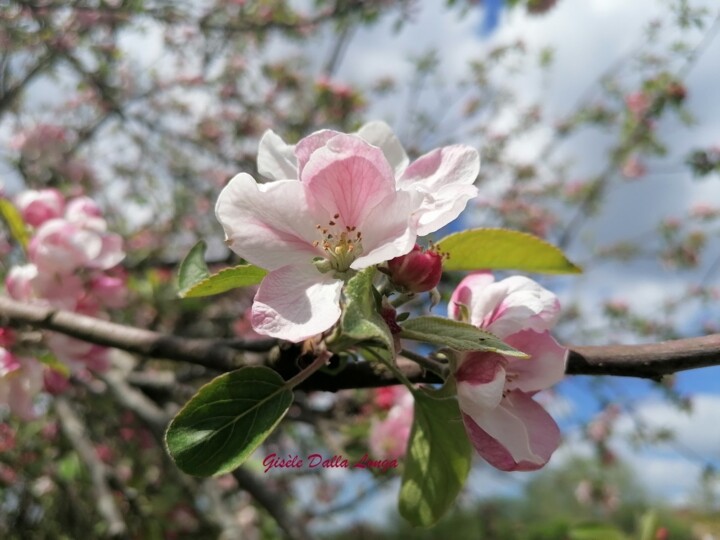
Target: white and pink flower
[(21, 380), (334, 207), (37, 207), (389, 437), (506, 426)]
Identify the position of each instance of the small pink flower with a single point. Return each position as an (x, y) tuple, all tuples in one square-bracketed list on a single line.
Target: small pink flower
[(110, 290), (55, 383), (389, 437), (633, 168), (638, 103), (505, 425), (417, 271), (388, 396), (37, 207), (20, 381)]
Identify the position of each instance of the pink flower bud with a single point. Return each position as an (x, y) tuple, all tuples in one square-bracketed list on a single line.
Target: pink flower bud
[(112, 291), (418, 271), (37, 207), (54, 382)]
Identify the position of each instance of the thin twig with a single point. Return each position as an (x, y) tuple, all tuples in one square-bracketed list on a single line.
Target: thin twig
[(73, 429)]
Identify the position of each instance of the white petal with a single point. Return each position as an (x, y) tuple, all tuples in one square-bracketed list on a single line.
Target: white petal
[(444, 177), (381, 135), (525, 304), (276, 159), (507, 427), (387, 231), (475, 396), (269, 224), (296, 302)]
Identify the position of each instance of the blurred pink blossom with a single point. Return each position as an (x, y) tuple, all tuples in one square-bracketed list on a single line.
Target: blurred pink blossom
[(389, 437)]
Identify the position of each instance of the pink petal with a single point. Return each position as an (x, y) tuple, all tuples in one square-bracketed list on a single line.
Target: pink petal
[(296, 302), (270, 224), (307, 146), (37, 207), (463, 293), (276, 159), (381, 135), (544, 368), (519, 435), (480, 381), (444, 178), (348, 177)]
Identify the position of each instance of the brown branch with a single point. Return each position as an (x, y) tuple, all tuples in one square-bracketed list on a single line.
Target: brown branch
[(73, 429), (650, 361), (203, 352)]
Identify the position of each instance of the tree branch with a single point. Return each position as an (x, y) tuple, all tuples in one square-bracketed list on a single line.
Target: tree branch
[(649, 361), (75, 432)]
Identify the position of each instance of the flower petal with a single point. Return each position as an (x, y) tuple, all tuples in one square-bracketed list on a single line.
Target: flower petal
[(381, 135), (507, 306), (463, 294), (348, 177), (276, 159), (296, 302), (386, 231), (270, 224), (544, 368), (523, 304), (519, 435), (305, 148), (444, 178), (480, 382)]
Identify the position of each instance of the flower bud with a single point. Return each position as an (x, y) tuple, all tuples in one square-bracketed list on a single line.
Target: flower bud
[(418, 271)]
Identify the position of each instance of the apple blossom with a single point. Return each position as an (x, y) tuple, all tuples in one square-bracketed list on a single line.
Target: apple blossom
[(505, 425), (20, 380), (441, 181), (389, 437), (37, 207), (334, 208)]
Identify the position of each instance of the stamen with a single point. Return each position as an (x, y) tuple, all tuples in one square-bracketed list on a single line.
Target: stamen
[(336, 216)]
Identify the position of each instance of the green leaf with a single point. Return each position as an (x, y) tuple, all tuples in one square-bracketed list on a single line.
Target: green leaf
[(14, 222), (229, 417), (648, 525), (193, 268), (456, 335), (225, 280), (438, 460), (361, 324), (596, 531), (502, 249)]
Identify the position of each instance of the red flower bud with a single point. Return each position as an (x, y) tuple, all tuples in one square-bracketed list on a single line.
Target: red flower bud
[(418, 271)]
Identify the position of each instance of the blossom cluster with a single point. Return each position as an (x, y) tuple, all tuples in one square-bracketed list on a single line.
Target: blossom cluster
[(338, 203), (72, 260)]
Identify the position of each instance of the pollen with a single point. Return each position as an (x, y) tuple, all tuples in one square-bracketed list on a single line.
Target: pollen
[(341, 246)]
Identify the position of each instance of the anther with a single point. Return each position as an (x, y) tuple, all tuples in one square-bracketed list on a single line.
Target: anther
[(336, 216), (331, 223)]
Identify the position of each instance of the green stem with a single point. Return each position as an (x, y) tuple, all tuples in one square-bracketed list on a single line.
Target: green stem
[(399, 374), (427, 363)]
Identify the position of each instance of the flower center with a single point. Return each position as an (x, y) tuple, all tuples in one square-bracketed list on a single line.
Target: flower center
[(340, 247)]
